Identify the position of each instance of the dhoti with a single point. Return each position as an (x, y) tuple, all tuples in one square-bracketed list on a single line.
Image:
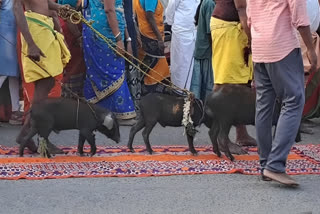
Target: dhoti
[(228, 43), (50, 42)]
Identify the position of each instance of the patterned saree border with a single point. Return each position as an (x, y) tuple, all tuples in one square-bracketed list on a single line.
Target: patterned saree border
[(106, 92)]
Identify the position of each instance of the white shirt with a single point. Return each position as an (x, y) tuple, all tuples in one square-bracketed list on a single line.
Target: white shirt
[(180, 14), (313, 11)]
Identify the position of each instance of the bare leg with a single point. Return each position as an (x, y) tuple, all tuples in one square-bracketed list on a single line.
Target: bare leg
[(234, 148), (243, 138), (42, 89)]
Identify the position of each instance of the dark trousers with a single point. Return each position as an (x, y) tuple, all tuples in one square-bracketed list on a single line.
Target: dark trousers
[(283, 80)]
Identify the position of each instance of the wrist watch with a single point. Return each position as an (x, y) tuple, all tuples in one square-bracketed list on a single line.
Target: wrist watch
[(128, 39)]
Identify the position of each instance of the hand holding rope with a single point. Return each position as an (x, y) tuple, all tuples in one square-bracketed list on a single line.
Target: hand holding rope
[(76, 17)]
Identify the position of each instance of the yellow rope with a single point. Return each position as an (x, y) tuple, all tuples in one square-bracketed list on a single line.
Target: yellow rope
[(76, 17)]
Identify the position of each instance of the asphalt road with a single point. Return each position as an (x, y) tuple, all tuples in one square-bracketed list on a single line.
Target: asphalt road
[(174, 194)]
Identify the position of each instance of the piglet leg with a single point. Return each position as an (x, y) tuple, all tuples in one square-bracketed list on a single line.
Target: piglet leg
[(92, 141), (191, 146), (213, 133), (223, 139), (89, 136), (136, 128), (81, 141), (146, 133), (24, 141)]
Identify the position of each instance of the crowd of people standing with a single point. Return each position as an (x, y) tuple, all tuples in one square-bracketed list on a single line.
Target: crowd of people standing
[(214, 43)]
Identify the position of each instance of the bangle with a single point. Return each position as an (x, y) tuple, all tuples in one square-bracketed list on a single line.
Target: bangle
[(128, 39), (117, 35)]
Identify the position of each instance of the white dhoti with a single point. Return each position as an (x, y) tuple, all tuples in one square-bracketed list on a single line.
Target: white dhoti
[(181, 58), (180, 14)]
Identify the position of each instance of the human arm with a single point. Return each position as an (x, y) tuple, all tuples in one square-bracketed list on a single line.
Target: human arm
[(34, 52), (0, 3), (153, 24), (207, 11), (307, 39), (300, 20), (128, 42), (241, 6), (110, 10), (76, 33), (154, 27), (53, 6), (56, 21)]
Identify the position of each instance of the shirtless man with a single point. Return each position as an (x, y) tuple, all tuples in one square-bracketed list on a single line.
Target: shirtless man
[(42, 85)]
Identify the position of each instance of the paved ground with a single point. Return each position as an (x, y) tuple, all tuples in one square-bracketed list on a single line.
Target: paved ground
[(175, 194)]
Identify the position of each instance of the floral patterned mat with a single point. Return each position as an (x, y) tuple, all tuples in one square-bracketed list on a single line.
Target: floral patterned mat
[(117, 161)]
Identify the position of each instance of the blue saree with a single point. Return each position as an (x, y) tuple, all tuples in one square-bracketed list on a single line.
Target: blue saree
[(105, 83)]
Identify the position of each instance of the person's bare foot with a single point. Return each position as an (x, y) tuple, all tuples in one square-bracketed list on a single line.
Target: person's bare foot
[(246, 141), (282, 178), (243, 138), (233, 148)]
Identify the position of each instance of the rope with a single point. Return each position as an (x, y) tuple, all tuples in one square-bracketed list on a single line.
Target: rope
[(76, 17), (56, 80)]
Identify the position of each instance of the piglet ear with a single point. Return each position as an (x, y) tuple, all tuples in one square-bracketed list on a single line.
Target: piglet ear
[(108, 122)]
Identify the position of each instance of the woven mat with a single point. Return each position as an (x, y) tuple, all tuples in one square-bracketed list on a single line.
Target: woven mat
[(117, 161)]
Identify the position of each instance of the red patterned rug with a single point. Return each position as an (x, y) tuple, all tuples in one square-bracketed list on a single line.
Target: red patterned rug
[(113, 161)]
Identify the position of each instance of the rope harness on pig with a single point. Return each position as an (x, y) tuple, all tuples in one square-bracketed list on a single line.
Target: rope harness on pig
[(76, 17)]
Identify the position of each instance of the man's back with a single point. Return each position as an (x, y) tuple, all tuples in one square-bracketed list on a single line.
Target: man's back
[(273, 27)]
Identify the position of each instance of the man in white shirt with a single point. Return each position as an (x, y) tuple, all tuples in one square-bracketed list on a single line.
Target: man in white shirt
[(180, 15), (313, 10)]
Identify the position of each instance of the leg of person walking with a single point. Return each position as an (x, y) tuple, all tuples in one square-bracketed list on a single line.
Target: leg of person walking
[(2, 79), (16, 116), (287, 78), (265, 101)]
